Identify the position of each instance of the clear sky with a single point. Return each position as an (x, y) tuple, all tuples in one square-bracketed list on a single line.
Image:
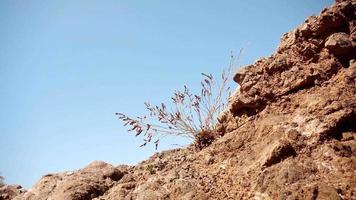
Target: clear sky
[(67, 66)]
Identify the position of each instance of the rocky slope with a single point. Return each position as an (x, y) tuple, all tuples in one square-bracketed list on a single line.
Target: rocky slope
[(289, 132), (10, 191)]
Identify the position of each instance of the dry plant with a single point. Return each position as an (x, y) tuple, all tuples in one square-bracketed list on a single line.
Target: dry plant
[(193, 116), (1, 181)]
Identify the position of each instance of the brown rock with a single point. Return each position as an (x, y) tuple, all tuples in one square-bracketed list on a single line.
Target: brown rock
[(88, 183), (326, 192), (339, 43)]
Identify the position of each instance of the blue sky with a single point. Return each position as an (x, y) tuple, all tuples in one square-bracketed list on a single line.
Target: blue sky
[(67, 66)]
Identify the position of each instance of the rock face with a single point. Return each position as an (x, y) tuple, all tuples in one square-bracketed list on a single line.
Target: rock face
[(289, 132), (88, 183), (8, 192)]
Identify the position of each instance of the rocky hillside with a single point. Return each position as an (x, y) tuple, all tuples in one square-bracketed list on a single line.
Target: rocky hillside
[(289, 132)]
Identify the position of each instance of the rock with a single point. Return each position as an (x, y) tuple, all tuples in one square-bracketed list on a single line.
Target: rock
[(87, 183), (209, 159), (280, 151), (8, 192), (326, 192), (339, 43)]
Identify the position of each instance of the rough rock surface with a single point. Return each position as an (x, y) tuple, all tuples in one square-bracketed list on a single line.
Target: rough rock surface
[(289, 132), (8, 192)]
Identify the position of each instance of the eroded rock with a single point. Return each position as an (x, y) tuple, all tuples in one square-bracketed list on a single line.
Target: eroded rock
[(339, 44)]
